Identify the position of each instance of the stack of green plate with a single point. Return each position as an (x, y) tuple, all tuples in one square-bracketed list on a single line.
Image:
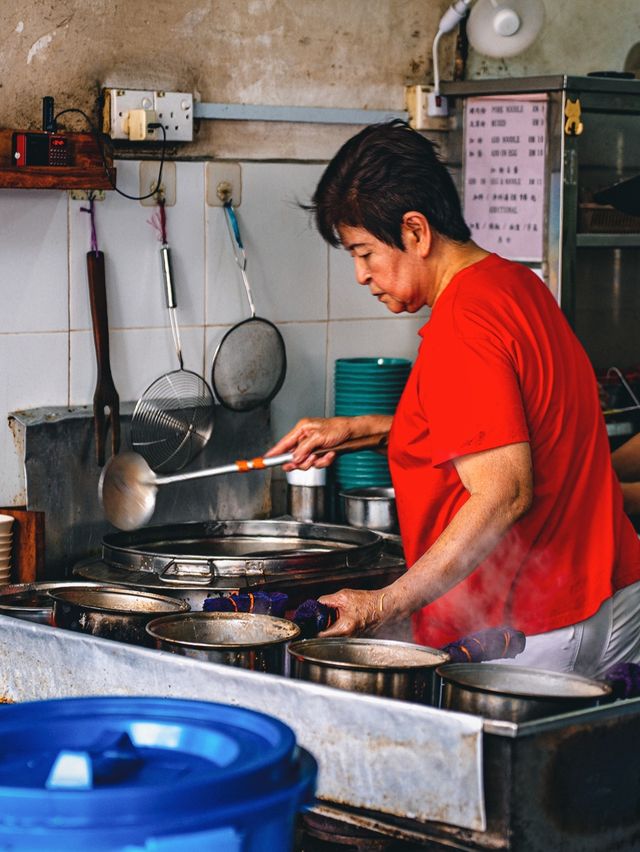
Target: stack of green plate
[(367, 386)]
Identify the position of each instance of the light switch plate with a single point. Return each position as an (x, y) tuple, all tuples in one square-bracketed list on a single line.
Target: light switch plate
[(224, 181), (149, 179)]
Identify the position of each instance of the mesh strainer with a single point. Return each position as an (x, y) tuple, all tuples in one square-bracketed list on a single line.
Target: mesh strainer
[(250, 363), (173, 419)]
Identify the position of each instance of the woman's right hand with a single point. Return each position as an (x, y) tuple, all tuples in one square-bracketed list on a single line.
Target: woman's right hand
[(312, 434)]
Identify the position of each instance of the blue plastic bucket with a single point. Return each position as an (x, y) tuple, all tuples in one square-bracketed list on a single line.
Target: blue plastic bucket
[(157, 774)]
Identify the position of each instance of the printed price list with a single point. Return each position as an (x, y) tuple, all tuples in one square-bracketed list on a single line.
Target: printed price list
[(504, 167)]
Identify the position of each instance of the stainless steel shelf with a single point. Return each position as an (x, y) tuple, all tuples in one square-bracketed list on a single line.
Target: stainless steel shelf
[(608, 240)]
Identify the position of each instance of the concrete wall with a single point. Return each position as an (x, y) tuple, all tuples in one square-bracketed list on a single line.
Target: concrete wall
[(323, 53), (358, 53), (578, 36)]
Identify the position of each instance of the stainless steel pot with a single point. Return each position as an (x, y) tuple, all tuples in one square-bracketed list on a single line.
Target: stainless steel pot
[(111, 612), (371, 508), (32, 601), (516, 693), (374, 666), (242, 639), (233, 554)]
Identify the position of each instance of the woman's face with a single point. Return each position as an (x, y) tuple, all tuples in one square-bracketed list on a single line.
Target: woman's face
[(396, 278)]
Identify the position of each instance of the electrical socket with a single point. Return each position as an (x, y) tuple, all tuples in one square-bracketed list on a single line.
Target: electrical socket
[(224, 181), (175, 112), (427, 111), (173, 109), (149, 179)]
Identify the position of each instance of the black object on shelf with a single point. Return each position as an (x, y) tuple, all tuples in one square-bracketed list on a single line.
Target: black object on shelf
[(615, 75), (48, 119), (624, 196)]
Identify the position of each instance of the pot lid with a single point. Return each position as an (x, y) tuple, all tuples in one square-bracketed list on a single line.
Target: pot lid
[(201, 553), (138, 766)]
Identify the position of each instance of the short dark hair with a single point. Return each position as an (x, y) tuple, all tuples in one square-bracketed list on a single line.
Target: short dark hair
[(379, 175)]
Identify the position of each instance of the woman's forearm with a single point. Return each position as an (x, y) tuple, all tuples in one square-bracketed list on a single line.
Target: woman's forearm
[(469, 538), (364, 425), (501, 491)]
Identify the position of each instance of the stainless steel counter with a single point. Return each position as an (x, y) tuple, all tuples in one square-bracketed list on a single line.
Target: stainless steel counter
[(435, 778), (382, 755)]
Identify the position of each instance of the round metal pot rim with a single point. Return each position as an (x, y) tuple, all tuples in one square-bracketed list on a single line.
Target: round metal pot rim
[(303, 650), (312, 547), (152, 626), (12, 590), (174, 605), (381, 493), (462, 675)]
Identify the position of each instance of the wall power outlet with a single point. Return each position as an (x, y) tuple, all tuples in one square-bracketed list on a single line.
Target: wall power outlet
[(173, 109), (427, 111)]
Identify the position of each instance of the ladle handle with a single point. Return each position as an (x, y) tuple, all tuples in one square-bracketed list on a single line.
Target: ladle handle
[(239, 253), (370, 442)]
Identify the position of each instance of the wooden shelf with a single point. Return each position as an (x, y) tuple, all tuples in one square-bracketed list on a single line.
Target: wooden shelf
[(87, 171)]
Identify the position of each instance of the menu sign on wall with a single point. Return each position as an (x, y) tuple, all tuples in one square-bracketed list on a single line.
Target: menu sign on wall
[(504, 161)]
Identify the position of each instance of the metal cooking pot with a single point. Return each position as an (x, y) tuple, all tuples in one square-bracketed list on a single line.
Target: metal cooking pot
[(374, 666), (31, 601), (231, 554), (242, 639), (371, 508), (111, 612), (516, 693)]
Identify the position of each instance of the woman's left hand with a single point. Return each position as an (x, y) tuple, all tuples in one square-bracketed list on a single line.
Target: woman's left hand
[(358, 610)]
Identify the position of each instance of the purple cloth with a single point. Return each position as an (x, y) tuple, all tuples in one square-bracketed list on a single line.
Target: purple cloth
[(624, 680), (494, 643), (263, 603), (312, 617)]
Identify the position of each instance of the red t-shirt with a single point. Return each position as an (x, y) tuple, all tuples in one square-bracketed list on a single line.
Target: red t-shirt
[(499, 364)]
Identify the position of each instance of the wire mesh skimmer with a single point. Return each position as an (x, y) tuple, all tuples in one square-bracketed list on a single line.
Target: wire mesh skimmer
[(173, 419), (250, 363)]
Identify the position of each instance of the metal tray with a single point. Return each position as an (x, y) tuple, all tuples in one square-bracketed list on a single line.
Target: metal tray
[(202, 553)]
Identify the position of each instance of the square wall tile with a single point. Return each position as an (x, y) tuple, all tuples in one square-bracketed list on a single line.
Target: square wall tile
[(138, 357), (34, 373), (396, 337), (33, 247), (303, 391), (286, 258), (135, 290), (302, 394)]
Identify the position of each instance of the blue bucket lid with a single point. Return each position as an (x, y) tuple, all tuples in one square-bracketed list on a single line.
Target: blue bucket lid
[(120, 763)]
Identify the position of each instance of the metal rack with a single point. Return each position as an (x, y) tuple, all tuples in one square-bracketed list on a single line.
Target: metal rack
[(592, 141)]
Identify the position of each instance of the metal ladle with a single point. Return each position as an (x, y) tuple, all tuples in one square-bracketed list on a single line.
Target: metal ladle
[(128, 486)]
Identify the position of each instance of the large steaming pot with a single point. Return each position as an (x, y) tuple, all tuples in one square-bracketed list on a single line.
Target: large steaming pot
[(193, 560)]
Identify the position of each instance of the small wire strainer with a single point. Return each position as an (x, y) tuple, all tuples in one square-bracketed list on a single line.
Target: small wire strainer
[(250, 363), (173, 419)]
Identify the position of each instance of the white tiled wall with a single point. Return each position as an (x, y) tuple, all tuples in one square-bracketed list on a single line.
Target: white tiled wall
[(46, 344)]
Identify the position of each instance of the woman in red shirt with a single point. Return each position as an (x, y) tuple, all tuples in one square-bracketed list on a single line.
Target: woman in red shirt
[(510, 512)]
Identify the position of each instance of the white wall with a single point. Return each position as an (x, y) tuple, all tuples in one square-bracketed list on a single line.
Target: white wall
[(46, 343)]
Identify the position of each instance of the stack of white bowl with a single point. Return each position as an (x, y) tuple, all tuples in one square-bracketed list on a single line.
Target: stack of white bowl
[(6, 546)]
